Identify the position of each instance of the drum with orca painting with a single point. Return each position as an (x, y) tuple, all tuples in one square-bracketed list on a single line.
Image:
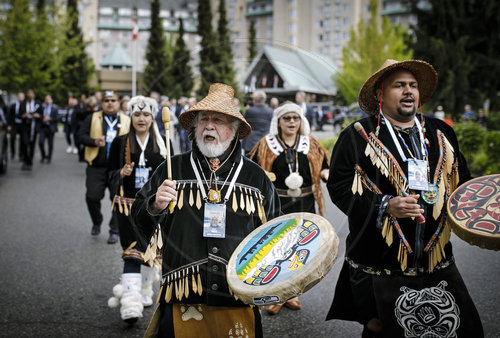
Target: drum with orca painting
[(282, 259), (474, 211)]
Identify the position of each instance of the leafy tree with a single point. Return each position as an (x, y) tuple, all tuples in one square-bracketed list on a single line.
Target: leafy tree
[(181, 72), (209, 56), (156, 75), (16, 58), (370, 45), (226, 69), (460, 39), (252, 42), (76, 66)]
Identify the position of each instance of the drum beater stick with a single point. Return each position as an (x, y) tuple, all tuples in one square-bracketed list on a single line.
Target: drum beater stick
[(361, 131), (165, 117)]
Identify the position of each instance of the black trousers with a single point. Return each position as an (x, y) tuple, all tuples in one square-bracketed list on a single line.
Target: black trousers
[(46, 134), (96, 183), (28, 141), (14, 131)]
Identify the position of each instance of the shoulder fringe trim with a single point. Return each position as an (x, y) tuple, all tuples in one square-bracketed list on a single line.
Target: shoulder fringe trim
[(316, 153)]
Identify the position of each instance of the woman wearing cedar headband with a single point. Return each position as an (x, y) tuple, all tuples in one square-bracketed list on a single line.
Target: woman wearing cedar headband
[(132, 160)]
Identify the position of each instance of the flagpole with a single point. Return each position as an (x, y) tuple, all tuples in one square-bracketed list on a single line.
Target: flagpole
[(134, 55)]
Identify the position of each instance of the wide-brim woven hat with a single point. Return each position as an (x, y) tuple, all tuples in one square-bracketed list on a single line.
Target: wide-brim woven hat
[(424, 73), (220, 100)]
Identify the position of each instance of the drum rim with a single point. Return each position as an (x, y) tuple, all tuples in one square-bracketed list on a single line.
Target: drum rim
[(328, 248), (468, 235)]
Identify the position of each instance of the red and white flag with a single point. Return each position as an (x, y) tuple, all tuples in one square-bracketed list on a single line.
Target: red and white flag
[(135, 29)]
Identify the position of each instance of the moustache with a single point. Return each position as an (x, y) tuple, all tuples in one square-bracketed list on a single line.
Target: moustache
[(210, 133)]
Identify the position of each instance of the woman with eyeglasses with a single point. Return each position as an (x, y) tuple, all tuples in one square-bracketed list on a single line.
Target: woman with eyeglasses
[(132, 160), (295, 162)]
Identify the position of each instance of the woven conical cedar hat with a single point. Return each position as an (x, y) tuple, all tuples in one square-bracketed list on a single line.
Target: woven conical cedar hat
[(219, 100), (424, 73)]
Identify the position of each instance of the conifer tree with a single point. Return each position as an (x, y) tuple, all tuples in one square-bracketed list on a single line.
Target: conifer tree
[(460, 39), (226, 68), (181, 72), (209, 56), (156, 73), (369, 46), (76, 66), (252, 42)]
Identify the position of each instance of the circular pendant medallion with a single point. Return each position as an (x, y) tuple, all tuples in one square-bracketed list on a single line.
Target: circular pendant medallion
[(430, 195)]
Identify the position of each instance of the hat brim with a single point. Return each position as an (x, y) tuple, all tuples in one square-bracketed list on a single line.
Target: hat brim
[(424, 73)]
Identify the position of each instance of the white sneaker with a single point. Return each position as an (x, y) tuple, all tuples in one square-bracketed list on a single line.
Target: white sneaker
[(75, 150), (69, 149)]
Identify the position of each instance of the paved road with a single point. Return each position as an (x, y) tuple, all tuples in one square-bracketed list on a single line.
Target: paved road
[(56, 278)]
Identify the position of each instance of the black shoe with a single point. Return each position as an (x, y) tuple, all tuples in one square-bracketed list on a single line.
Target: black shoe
[(24, 167), (96, 230), (42, 160), (113, 238)]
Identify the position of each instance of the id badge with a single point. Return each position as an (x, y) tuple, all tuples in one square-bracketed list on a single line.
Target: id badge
[(141, 177), (214, 220), (417, 175), (110, 135)]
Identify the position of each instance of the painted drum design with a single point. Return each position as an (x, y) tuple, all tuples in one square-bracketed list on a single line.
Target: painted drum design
[(474, 211), (282, 259)]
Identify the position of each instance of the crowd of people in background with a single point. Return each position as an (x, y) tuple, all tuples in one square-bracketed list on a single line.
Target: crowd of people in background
[(32, 121)]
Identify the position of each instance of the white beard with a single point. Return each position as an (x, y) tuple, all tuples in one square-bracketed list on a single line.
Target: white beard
[(212, 150)]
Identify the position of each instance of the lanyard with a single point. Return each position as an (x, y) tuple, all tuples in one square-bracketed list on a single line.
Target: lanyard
[(142, 161), (109, 123), (200, 183), (396, 142)]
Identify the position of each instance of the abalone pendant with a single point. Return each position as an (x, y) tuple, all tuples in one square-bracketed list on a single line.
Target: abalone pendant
[(213, 196), (431, 195)]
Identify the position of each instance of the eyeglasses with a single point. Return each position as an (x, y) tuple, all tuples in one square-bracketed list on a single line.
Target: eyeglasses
[(291, 118), (110, 100)]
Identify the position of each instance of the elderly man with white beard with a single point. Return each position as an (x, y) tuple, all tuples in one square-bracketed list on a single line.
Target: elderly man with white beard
[(215, 199)]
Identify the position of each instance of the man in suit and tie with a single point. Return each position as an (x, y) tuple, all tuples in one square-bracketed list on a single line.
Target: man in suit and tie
[(259, 117), (307, 109), (15, 124), (47, 129), (31, 117)]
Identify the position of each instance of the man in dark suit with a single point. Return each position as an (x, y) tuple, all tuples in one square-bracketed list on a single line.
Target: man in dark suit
[(15, 124), (259, 117), (307, 109), (47, 128), (31, 117)]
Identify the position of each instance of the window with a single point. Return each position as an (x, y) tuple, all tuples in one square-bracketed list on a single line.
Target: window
[(293, 13), (125, 11), (320, 24), (269, 33), (293, 40), (106, 10), (292, 27), (347, 21), (346, 8), (319, 10), (320, 37), (104, 34)]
